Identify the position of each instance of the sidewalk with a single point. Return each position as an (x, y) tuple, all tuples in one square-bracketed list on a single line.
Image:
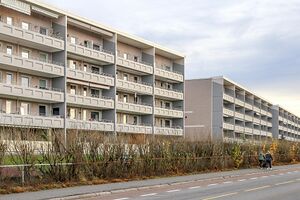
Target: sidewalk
[(90, 189)]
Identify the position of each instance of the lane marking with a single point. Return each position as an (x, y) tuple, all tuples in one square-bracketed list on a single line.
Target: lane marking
[(258, 188), (283, 183), (147, 195), (220, 196), (241, 180), (254, 178), (195, 187), (170, 191), (125, 198), (227, 182), (213, 184)]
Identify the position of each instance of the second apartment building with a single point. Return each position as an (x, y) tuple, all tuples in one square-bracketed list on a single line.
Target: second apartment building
[(61, 71)]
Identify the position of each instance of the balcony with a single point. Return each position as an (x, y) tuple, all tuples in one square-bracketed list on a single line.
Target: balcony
[(264, 112), (106, 126), (228, 112), (102, 56), (169, 94), (228, 126), (263, 122), (256, 109), (176, 131), (137, 66), (30, 66), (269, 114), (16, 120), (256, 132), (228, 97), (140, 88), (31, 93), (136, 129), (103, 79), (248, 118), (90, 102), (248, 130), (134, 108), (31, 38), (239, 115), (248, 106), (239, 102), (239, 129), (269, 134), (171, 75), (256, 120), (165, 112)]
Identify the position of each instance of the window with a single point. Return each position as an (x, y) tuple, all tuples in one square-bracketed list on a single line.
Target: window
[(85, 92), (9, 20), (135, 79), (72, 113), (73, 89), (135, 120), (125, 98), (84, 115), (167, 123), (8, 107), (95, 116), (168, 68), (25, 81), (42, 110), (9, 78), (125, 77), (95, 93), (25, 54), (25, 25), (9, 50), (24, 109), (117, 96), (43, 84), (72, 64), (85, 68), (43, 31), (136, 99), (87, 44), (135, 58), (167, 105), (55, 111), (124, 119), (73, 40), (96, 47), (44, 57), (125, 56), (0, 76), (95, 70)]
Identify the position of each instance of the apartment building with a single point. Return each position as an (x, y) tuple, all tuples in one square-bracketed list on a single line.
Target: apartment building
[(220, 109), (61, 71), (286, 125)]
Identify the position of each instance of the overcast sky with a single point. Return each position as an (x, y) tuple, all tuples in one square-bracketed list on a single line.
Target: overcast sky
[(256, 43)]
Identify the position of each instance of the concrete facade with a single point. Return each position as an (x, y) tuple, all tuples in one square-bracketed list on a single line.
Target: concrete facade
[(219, 109), (61, 71)]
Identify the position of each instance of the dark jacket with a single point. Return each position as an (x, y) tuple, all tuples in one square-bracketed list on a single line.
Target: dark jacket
[(269, 157)]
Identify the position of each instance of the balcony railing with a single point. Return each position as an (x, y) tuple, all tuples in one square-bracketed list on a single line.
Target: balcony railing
[(171, 131), (36, 66), (31, 120), (93, 53), (50, 39), (169, 74), (134, 128), (139, 87), (169, 112), (135, 65), (134, 107), (93, 101), (97, 125), (38, 93), (169, 93), (228, 126)]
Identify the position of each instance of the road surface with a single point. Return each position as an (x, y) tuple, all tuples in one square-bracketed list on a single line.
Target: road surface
[(276, 185)]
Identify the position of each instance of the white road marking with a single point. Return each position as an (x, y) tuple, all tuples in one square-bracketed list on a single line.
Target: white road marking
[(241, 180), (227, 182), (264, 177), (220, 196), (258, 188), (195, 187), (170, 191), (147, 195), (213, 184), (283, 183), (254, 178), (122, 198)]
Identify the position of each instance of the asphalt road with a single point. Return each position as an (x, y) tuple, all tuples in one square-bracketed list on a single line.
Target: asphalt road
[(283, 184)]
